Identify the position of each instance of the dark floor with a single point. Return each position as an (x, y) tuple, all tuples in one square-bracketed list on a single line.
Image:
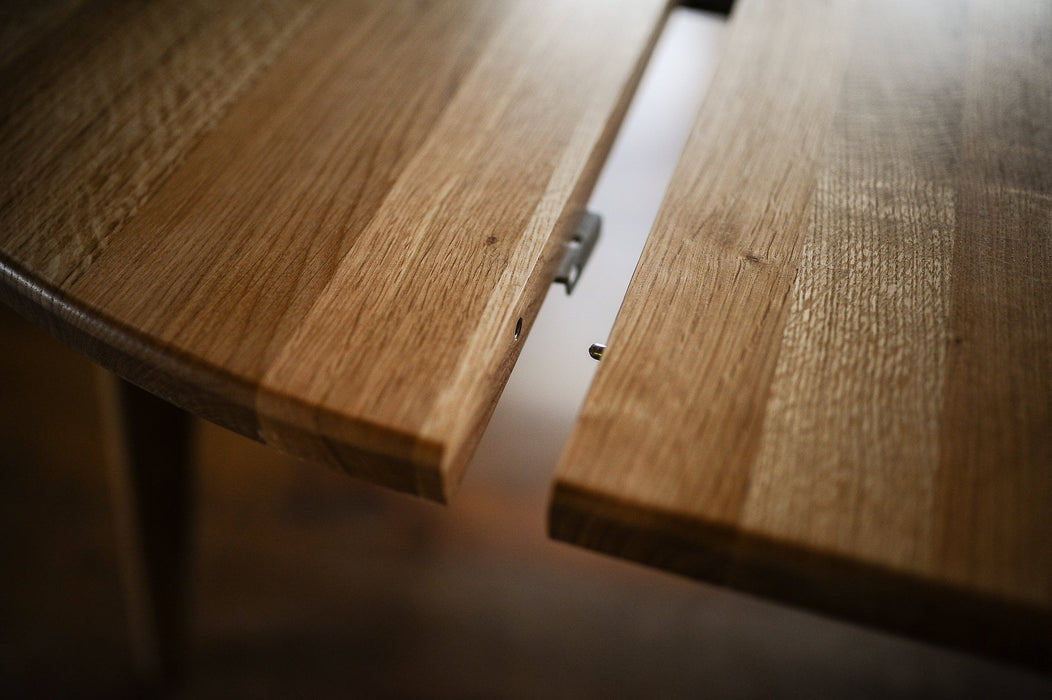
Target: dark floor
[(310, 584)]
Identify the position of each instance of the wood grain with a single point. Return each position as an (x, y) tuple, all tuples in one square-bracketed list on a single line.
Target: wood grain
[(830, 380), (317, 224)]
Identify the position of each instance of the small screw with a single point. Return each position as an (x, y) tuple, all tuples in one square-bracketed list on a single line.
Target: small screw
[(596, 351)]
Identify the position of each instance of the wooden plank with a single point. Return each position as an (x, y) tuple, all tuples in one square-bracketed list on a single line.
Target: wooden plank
[(318, 224), (830, 380)]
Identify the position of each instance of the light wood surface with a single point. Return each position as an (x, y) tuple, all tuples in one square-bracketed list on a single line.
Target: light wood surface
[(831, 379), (318, 224)]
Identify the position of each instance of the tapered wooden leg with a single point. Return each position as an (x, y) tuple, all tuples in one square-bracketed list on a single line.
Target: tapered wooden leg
[(152, 480)]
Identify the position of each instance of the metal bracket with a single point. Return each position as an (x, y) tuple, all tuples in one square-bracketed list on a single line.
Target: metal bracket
[(578, 249)]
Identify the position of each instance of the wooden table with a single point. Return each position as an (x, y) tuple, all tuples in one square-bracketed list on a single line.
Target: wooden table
[(830, 381), (325, 225), (329, 225)]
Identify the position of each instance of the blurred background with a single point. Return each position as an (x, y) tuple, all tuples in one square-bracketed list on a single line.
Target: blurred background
[(309, 584)]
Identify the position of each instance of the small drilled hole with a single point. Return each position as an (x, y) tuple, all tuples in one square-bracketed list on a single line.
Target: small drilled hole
[(518, 328)]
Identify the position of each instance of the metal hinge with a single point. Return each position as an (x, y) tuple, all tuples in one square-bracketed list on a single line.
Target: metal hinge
[(578, 249)]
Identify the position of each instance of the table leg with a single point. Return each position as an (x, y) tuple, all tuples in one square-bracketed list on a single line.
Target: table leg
[(149, 444)]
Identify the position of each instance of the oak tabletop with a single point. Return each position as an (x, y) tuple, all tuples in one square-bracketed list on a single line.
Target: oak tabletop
[(830, 381), (327, 225)]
